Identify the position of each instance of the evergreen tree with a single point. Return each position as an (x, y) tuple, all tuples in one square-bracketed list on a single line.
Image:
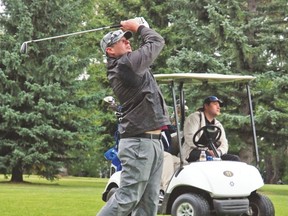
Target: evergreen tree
[(39, 125), (239, 37), (49, 118)]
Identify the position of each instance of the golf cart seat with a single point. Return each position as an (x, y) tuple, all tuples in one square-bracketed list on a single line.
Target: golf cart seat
[(174, 147)]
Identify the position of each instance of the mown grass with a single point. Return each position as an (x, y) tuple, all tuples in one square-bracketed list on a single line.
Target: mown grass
[(80, 197), (279, 196), (39, 197)]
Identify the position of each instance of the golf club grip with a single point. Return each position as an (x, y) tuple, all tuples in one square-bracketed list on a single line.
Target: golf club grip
[(116, 26)]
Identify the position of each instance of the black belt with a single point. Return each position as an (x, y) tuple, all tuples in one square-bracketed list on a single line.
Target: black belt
[(143, 135)]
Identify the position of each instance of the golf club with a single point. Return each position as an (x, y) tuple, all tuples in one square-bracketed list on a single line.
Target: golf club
[(24, 46)]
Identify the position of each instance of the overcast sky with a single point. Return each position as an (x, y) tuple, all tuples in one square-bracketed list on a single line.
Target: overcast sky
[(1, 7)]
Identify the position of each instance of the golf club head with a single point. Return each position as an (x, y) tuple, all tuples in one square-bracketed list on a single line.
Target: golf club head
[(24, 47)]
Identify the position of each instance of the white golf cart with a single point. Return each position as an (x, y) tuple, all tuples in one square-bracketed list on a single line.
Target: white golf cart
[(211, 187)]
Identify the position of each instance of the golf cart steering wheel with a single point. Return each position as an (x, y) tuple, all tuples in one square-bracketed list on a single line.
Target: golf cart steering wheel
[(210, 135)]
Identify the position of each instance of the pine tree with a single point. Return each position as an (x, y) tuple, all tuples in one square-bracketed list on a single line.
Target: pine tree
[(39, 125), (240, 37)]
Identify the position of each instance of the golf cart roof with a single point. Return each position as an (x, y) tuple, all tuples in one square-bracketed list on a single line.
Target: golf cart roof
[(202, 77)]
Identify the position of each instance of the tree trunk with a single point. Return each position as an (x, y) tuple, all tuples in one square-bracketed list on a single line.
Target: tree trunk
[(247, 155), (252, 5), (272, 169), (17, 174)]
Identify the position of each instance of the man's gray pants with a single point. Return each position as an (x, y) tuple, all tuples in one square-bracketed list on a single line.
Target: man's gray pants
[(142, 163)]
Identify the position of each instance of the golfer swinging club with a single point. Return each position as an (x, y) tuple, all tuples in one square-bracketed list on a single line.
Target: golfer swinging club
[(144, 113)]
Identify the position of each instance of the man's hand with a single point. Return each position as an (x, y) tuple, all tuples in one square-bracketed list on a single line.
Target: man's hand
[(133, 24), (142, 21), (130, 25), (211, 153)]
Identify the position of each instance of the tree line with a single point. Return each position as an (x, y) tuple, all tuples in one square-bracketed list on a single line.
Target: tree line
[(51, 119)]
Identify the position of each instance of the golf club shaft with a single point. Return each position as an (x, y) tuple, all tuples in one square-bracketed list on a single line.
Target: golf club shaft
[(24, 45), (74, 33)]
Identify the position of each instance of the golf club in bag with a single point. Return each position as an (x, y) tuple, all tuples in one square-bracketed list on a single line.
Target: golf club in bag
[(24, 46), (112, 153)]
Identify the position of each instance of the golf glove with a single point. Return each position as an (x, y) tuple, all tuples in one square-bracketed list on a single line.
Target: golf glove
[(142, 21)]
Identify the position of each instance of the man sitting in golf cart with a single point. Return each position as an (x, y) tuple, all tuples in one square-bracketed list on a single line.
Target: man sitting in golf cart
[(204, 116), (195, 121)]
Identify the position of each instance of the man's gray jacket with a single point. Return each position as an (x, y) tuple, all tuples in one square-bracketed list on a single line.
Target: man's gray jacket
[(134, 85)]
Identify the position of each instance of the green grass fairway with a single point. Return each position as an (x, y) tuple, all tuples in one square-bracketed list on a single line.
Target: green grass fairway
[(80, 197), (68, 196), (279, 196)]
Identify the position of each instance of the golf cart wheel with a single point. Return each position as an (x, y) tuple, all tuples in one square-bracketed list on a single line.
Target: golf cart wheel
[(261, 205), (190, 204), (111, 192)]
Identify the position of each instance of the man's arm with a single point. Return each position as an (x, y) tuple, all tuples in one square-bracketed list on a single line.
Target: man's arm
[(222, 142), (191, 125), (143, 57), (223, 148)]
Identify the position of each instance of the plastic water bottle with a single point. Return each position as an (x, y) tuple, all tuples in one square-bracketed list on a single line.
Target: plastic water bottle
[(202, 156)]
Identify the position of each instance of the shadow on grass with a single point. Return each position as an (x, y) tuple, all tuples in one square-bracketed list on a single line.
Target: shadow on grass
[(65, 181), (29, 183), (33, 181)]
